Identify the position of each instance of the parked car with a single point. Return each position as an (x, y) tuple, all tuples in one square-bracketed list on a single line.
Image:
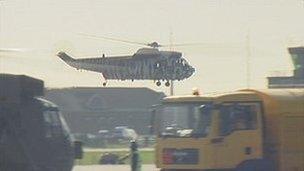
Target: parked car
[(124, 133), (103, 134)]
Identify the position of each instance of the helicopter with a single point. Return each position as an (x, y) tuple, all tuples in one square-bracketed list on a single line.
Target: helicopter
[(146, 64)]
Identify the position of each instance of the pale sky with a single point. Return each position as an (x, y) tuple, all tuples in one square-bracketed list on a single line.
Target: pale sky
[(224, 25)]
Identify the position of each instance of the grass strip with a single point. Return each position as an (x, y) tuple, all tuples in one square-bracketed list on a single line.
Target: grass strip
[(92, 158)]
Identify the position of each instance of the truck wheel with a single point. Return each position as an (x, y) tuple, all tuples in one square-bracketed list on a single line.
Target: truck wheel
[(256, 165)]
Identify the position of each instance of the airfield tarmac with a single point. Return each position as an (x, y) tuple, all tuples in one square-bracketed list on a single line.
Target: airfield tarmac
[(113, 168)]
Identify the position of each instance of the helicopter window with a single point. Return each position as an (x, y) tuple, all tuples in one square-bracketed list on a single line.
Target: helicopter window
[(52, 123)]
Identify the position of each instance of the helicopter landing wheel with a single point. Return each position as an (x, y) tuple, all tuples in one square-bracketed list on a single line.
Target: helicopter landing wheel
[(167, 84), (104, 84), (158, 83)]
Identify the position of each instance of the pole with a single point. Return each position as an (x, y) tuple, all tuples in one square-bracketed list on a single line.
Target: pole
[(248, 56), (171, 88), (171, 48), (1, 24), (0, 30), (135, 158)]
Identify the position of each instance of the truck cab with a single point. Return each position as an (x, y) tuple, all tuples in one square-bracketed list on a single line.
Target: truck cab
[(245, 130)]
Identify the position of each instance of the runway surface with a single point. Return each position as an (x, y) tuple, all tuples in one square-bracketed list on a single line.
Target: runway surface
[(114, 149), (112, 168)]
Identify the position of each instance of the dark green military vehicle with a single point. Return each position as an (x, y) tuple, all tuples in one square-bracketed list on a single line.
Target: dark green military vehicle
[(33, 134)]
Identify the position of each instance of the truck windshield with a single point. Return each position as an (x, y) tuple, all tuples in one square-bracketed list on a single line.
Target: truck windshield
[(55, 124), (184, 120)]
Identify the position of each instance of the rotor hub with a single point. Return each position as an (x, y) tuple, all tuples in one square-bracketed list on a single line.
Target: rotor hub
[(154, 45)]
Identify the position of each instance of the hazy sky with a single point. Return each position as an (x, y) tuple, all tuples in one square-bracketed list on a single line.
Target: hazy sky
[(224, 25)]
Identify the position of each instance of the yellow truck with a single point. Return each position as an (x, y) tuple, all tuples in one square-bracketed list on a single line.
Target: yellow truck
[(246, 130)]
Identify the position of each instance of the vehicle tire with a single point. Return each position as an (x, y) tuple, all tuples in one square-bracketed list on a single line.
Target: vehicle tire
[(158, 83), (256, 165), (167, 84)]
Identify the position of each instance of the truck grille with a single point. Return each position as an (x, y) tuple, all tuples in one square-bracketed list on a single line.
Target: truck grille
[(180, 156)]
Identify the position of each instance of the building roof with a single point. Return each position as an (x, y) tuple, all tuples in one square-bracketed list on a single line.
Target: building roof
[(85, 99), (285, 82)]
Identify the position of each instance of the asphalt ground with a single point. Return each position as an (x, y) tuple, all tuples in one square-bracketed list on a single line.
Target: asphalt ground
[(113, 168), (114, 149)]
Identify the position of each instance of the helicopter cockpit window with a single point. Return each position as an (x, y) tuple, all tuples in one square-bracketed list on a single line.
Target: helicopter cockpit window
[(52, 123)]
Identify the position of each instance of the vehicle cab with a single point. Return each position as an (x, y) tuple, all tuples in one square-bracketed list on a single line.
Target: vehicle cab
[(241, 130), (182, 126), (208, 132), (33, 132)]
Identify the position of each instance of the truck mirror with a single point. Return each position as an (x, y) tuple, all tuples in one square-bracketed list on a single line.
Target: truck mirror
[(78, 152), (151, 129), (152, 120), (204, 108)]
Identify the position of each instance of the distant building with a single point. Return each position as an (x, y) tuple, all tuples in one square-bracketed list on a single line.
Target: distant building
[(88, 110), (295, 81)]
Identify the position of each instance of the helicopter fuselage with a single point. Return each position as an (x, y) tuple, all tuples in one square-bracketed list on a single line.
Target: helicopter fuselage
[(145, 64)]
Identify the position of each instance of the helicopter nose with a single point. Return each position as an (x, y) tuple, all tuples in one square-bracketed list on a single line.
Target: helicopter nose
[(189, 71), (192, 70)]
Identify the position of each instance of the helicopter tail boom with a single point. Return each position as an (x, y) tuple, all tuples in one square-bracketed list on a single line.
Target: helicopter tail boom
[(69, 60), (65, 57)]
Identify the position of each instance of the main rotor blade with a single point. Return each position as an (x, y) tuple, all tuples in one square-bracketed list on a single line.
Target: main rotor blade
[(211, 45), (113, 39), (12, 50)]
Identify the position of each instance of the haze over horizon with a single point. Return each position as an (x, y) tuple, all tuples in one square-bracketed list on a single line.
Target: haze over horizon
[(227, 27)]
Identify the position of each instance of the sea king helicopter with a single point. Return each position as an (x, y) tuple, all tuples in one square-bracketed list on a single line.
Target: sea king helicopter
[(146, 64)]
